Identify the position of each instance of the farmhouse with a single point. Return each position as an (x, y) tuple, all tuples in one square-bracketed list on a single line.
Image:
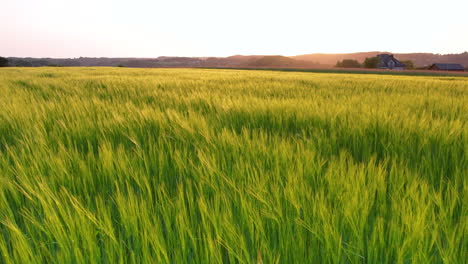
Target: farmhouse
[(446, 67), (387, 61)]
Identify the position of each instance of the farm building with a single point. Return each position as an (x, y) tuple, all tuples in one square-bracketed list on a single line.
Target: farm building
[(387, 61), (446, 67)]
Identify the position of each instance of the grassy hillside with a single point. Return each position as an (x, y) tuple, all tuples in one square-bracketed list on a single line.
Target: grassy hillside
[(279, 61), (210, 166)]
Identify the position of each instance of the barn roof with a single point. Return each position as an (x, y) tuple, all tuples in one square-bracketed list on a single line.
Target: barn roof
[(448, 66)]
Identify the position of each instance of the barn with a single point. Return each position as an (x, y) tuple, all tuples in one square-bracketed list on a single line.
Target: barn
[(387, 61), (446, 67)]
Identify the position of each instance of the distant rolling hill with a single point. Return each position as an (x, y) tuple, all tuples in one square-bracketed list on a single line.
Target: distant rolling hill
[(237, 61), (317, 60)]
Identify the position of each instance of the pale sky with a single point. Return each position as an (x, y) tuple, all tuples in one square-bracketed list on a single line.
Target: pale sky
[(145, 28)]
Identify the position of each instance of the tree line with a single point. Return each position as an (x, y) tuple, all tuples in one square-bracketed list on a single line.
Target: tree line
[(3, 62), (370, 63)]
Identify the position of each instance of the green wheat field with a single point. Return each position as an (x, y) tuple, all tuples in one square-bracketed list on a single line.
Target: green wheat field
[(114, 165)]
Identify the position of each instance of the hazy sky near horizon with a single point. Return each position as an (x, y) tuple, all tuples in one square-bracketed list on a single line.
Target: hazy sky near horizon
[(145, 28)]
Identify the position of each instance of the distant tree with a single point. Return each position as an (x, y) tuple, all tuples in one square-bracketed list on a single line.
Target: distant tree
[(348, 64), (120, 66), (22, 63), (408, 64), (3, 62), (371, 62)]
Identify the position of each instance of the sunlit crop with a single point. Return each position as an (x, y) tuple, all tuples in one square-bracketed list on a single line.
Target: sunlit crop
[(106, 165)]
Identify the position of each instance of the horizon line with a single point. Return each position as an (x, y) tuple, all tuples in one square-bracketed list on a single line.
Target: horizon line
[(178, 56)]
